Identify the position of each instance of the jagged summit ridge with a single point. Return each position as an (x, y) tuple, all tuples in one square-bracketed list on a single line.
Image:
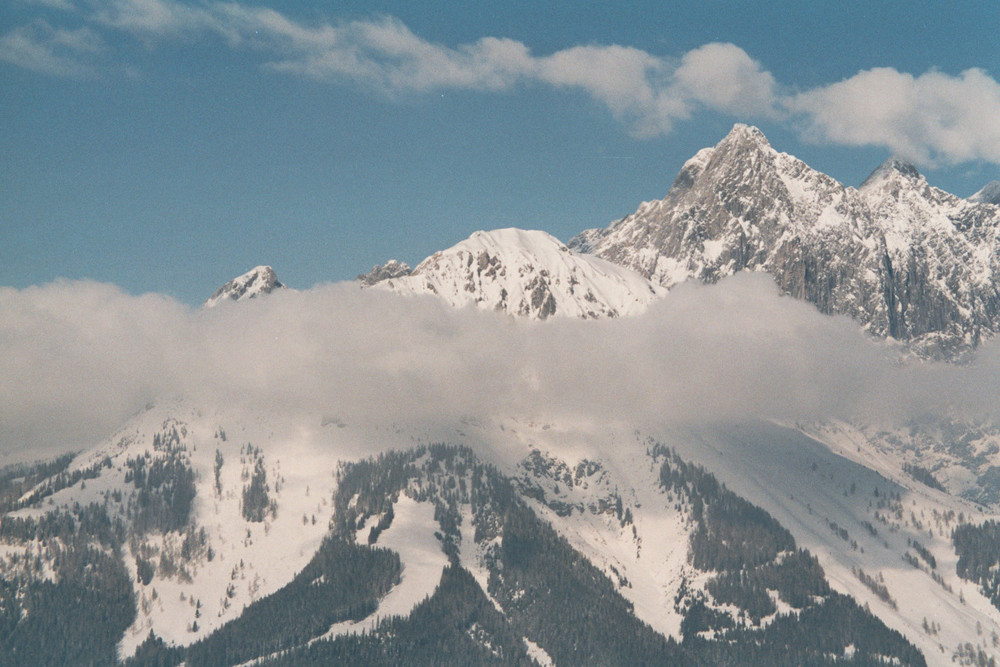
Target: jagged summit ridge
[(901, 257), (723, 213), (391, 269), (526, 273), (255, 282)]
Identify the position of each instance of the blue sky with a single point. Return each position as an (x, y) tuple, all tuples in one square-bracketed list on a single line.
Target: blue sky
[(168, 145)]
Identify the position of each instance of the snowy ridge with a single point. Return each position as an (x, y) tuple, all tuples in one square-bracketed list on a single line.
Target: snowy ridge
[(257, 281), (249, 560), (904, 259), (529, 274)]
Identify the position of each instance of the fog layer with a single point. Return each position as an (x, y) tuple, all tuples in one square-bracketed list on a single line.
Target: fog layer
[(77, 358)]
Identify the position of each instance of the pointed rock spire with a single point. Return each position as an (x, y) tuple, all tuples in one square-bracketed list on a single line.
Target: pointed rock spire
[(391, 269), (258, 280), (742, 134)]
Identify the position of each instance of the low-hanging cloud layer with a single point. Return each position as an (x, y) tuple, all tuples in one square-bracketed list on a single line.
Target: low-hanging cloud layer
[(931, 118), (77, 358)]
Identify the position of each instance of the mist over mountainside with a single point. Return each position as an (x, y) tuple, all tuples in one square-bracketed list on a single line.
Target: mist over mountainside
[(680, 465)]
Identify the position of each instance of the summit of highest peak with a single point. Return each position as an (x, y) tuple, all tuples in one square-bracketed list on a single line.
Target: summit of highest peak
[(875, 253), (742, 134), (744, 145)]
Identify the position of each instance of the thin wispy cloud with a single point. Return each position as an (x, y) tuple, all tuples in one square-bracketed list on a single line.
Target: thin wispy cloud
[(386, 55), (930, 118), (55, 51), (161, 18), (64, 5)]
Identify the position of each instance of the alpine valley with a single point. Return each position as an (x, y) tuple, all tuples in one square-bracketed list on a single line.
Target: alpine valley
[(207, 532)]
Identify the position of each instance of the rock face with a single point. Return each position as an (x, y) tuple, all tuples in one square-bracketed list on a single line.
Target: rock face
[(525, 273), (255, 282), (904, 259), (391, 269)]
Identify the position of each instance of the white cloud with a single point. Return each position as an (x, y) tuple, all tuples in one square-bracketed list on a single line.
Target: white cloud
[(930, 118), (55, 51), (646, 92), (77, 358), (623, 79), (726, 78), (154, 17), (934, 117), (386, 55), (64, 5), (409, 62)]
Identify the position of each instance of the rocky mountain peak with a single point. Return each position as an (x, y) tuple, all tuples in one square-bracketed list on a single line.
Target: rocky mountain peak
[(255, 282), (742, 134), (990, 194), (901, 257), (690, 171), (745, 146), (391, 269), (893, 168)]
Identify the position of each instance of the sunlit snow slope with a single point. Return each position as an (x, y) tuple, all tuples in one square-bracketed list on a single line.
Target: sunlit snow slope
[(530, 274)]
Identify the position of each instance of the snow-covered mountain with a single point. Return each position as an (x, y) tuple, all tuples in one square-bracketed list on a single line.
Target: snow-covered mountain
[(255, 282), (526, 273), (903, 258), (274, 534), (215, 537)]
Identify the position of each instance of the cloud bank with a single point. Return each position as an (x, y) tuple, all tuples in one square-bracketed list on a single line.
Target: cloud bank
[(77, 358), (931, 118)]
